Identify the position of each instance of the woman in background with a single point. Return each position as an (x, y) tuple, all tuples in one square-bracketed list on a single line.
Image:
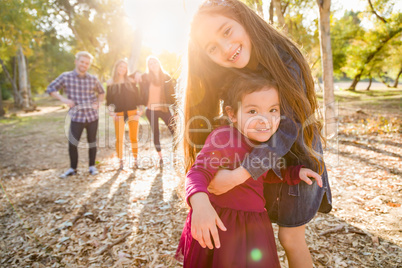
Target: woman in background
[(123, 99), (157, 89)]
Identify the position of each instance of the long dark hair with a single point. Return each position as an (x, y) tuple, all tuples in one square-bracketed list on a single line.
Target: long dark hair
[(204, 78), (242, 84), (159, 78), (114, 71)]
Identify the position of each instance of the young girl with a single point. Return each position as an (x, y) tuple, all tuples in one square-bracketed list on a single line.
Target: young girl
[(253, 106), (226, 35), (123, 99), (157, 88)]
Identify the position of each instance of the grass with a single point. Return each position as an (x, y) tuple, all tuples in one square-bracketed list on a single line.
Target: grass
[(384, 99)]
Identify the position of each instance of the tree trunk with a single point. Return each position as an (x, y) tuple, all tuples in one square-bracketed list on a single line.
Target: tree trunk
[(31, 103), (17, 95), (354, 82), (279, 15), (371, 56), (15, 71), (271, 12), (330, 117), (23, 78), (369, 85), (397, 79), (259, 9), (135, 52), (384, 79), (2, 112)]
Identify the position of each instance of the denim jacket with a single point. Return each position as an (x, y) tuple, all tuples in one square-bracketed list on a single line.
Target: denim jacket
[(287, 137)]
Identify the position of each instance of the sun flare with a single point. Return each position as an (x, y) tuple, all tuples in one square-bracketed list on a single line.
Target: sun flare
[(163, 23)]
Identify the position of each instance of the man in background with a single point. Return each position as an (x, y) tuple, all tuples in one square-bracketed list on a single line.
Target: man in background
[(84, 94)]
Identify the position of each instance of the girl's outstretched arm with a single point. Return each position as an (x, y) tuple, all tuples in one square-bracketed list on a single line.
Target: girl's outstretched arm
[(204, 221), (225, 180)]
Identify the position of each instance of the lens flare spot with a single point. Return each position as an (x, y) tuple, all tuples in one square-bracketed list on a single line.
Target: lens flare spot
[(256, 254)]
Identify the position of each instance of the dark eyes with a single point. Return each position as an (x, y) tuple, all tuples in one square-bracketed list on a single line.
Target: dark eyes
[(227, 32), (253, 111)]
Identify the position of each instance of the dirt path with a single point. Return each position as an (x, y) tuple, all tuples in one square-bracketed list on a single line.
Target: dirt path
[(134, 218)]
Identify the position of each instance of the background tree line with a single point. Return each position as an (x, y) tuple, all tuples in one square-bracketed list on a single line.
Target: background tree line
[(38, 40)]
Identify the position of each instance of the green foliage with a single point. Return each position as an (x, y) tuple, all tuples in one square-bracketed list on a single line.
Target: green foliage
[(171, 63), (345, 34), (100, 28), (49, 60), (367, 52), (52, 31), (5, 94), (18, 26), (303, 29)]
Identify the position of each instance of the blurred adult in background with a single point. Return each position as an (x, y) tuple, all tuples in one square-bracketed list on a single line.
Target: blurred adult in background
[(84, 94), (157, 89), (123, 100)]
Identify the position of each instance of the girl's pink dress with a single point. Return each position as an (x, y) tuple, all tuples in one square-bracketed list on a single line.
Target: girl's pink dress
[(249, 240)]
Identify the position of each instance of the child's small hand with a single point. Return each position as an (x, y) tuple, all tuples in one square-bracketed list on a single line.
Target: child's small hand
[(305, 173), (204, 221)]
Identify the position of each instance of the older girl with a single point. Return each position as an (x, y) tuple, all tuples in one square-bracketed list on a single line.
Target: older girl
[(123, 100), (226, 35)]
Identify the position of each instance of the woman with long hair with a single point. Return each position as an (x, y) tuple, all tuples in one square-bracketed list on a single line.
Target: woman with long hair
[(123, 100), (157, 89)]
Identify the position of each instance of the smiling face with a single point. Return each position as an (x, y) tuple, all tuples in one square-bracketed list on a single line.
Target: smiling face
[(258, 116), (224, 40), (82, 65), (153, 66), (122, 69)]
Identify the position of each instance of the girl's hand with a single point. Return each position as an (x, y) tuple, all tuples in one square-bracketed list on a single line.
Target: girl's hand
[(226, 180), (204, 221), (137, 77), (140, 110), (305, 173)]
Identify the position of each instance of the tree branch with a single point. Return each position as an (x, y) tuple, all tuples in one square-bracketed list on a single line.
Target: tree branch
[(375, 13), (284, 8), (397, 78)]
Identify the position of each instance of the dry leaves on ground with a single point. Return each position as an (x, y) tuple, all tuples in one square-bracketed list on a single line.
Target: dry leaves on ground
[(134, 218)]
